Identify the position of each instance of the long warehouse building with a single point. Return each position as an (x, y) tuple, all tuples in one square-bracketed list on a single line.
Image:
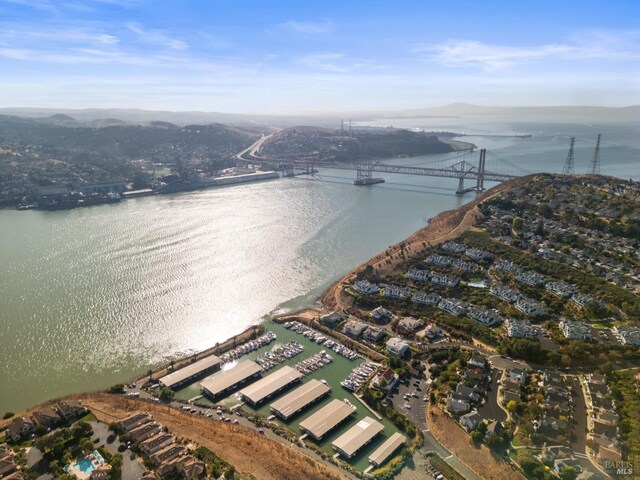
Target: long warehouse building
[(191, 372), (301, 398), (384, 451), (327, 418), (271, 385), (228, 380), (357, 436)]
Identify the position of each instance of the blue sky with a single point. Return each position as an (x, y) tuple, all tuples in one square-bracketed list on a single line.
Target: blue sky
[(266, 56)]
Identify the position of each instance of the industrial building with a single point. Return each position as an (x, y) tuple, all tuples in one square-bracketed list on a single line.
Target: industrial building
[(191, 372), (271, 385), (357, 437), (384, 451), (327, 418), (301, 398), (228, 380)]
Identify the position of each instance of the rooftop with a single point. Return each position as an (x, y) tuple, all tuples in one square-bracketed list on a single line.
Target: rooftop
[(221, 381), (190, 371), (271, 384), (385, 450), (357, 436), (300, 398), (327, 418)]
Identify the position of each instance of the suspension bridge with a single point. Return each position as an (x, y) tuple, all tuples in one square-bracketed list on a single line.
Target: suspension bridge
[(460, 166)]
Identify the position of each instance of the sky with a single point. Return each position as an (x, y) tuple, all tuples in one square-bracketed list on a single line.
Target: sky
[(305, 56)]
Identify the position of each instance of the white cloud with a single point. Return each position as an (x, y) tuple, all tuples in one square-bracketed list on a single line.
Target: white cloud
[(471, 53), (330, 62), (157, 37), (308, 28)]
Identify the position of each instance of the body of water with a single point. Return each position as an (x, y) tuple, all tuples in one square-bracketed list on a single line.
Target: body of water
[(91, 297)]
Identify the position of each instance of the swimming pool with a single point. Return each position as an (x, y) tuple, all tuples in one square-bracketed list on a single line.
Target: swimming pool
[(83, 467)]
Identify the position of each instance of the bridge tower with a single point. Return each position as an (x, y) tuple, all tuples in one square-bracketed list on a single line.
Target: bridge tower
[(481, 168), (363, 173), (568, 164), (594, 168)]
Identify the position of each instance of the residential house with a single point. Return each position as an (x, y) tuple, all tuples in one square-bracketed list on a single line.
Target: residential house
[(426, 298), (477, 361), (494, 428), (47, 417), (385, 379), (531, 278), (561, 289), (476, 254), (470, 420), (71, 410), (454, 247), (373, 334), (156, 443), (7, 466), (354, 328), (439, 260), (454, 307), (365, 287), (456, 406), (488, 318), (444, 280), (145, 431), (418, 275), (393, 291), (530, 307), (133, 421), (331, 319), (519, 329), (411, 324), (519, 375), (397, 346), (167, 454), (20, 428), (382, 314), (575, 330), (505, 293)]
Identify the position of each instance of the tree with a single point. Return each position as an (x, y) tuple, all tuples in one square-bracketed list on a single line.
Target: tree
[(517, 224), (511, 406), (477, 437), (7, 415), (86, 446), (568, 473), (119, 388), (166, 394)]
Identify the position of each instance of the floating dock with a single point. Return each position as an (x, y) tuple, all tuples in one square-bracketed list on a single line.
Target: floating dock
[(195, 370), (327, 418), (357, 437), (384, 451), (224, 382), (301, 398), (271, 385)]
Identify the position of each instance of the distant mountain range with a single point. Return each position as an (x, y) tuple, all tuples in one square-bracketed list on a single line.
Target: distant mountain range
[(95, 117)]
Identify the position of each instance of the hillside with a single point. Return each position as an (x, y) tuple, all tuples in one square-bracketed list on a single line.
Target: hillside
[(320, 144)]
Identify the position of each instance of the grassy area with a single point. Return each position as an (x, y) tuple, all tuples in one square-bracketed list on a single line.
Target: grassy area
[(89, 417)]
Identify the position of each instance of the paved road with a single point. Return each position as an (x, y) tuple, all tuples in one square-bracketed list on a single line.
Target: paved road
[(578, 435), (490, 410)]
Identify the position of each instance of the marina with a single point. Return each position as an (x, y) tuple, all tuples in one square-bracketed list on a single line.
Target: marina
[(279, 354), (313, 363), (249, 347), (359, 376), (321, 339)]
